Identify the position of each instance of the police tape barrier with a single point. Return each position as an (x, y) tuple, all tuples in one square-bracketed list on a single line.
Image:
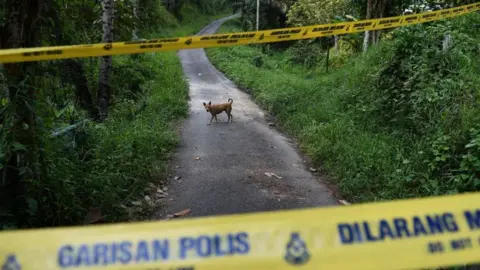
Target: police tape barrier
[(409, 234), (229, 39)]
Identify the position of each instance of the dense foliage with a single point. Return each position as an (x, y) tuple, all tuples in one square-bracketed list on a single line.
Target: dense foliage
[(50, 180), (401, 121)]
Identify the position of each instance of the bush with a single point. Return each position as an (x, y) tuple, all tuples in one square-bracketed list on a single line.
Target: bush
[(106, 165), (400, 121)]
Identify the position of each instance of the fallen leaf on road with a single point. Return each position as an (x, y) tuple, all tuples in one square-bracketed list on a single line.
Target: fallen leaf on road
[(177, 177), (159, 191), (147, 198), (197, 158), (271, 124), (344, 202), (270, 174), (182, 213), (137, 203), (313, 169)]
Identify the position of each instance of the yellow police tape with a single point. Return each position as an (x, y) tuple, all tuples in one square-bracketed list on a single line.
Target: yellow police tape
[(230, 39), (407, 234)]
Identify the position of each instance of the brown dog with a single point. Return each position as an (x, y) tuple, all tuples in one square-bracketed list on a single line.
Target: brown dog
[(219, 108)]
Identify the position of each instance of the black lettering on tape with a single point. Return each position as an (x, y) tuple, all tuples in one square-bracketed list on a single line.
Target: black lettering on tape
[(413, 18), (54, 52), (285, 32), (469, 8), (389, 22), (435, 247), (457, 10), (169, 40), (38, 53), (445, 13), (461, 244), (361, 26), (326, 32), (328, 28), (429, 16), (320, 29), (152, 41), (215, 37), (152, 46), (284, 36), (243, 36)]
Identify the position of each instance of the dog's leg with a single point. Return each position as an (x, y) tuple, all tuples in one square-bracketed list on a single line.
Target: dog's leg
[(230, 116), (216, 120), (210, 120)]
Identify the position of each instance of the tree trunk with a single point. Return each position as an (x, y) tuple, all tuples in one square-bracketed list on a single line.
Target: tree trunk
[(366, 38), (381, 8), (75, 72), (135, 19), (82, 92), (20, 29), (106, 61)]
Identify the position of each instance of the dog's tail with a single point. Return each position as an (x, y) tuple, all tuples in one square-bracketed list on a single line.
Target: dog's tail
[(230, 100)]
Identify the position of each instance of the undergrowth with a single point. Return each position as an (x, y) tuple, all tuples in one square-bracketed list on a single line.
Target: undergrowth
[(110, 165), (401, 121)]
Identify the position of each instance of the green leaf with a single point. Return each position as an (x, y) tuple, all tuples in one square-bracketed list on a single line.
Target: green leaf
[(18, 146), (32, 204)]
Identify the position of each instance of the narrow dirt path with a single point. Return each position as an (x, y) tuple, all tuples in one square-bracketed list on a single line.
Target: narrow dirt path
[(229, 176)]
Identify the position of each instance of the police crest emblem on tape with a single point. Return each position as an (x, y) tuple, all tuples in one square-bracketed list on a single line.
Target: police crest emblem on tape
[(296, 250), (11, 263)]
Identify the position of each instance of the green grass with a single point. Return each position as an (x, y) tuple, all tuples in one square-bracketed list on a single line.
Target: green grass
[(339, 122), (111, 165), (193, 20), (122, 155)]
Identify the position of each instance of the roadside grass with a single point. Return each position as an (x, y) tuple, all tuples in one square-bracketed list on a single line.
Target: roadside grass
[(116, 165), (337, 120)]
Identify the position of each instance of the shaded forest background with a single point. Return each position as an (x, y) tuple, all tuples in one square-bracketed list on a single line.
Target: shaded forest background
[(390, 114), (89, 133)]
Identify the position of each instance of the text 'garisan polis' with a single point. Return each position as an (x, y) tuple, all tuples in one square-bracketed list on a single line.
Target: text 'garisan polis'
[(152, 250)]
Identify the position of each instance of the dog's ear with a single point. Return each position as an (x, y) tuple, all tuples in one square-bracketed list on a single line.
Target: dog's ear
[(210, 103), (204, 104)]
